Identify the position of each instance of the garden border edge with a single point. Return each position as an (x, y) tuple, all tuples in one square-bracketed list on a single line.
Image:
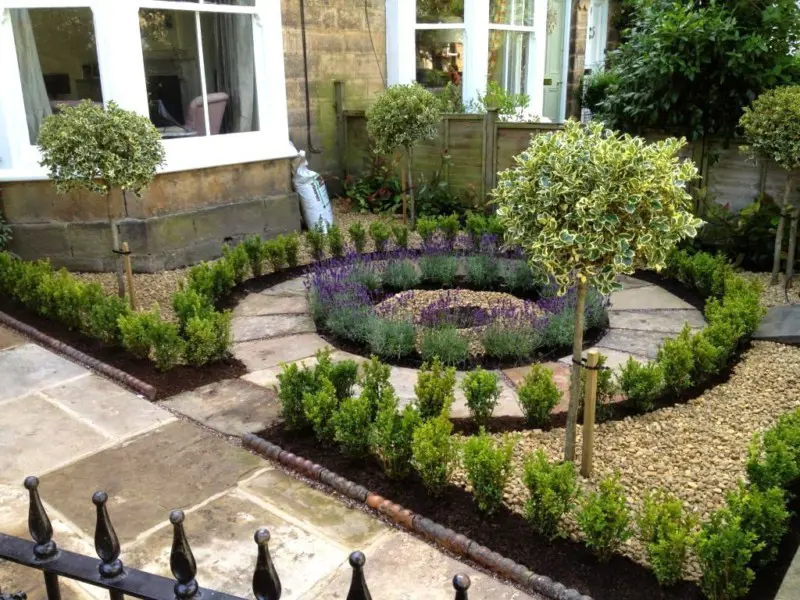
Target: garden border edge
[(119, 376), (442, 536)]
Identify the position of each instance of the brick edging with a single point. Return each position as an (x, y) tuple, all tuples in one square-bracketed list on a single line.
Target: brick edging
[(121, 377), (442, 536)]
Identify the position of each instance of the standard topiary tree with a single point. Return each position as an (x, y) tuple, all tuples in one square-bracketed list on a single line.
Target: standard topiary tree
[(87, 147), (403, 115), (772, 130), (586, 204)]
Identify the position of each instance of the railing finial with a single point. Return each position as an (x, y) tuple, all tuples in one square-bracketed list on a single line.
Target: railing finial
[(461, 583), (266, 583), (181, 559), (358, 585), (106, 543), (38, 522)]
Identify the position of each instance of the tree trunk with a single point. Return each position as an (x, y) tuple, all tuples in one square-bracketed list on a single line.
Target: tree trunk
[(120, 268), (792, 246), (412, 212), (776, 258), (575, 383)]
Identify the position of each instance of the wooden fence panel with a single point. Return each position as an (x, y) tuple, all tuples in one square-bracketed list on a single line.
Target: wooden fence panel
[(734, 179), (466, 156), (513, 138)]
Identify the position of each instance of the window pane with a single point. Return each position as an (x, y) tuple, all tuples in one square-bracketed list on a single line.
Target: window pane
[(512, 12), (57, 60), (440, 11), (509, 57), (440, 56), (229, 60), (172, 71), (233, 2)]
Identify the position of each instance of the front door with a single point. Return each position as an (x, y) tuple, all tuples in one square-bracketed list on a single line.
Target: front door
[(554, 60)]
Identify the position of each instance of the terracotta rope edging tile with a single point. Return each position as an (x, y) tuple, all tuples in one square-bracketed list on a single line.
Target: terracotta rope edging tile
[(121, 377), (442, 536)]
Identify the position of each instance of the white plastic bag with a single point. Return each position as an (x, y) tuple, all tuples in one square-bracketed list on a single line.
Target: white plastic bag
[(314, 200)]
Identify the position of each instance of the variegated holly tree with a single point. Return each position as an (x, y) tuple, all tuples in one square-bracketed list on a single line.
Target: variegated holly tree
[(586, 204)]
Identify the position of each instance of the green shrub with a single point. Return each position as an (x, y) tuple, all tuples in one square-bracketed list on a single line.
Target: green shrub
[(351, 423), (434, 453), (440, 270), (291, 248), (368, 276), (427, 228), (538, 395), (641, 383), (255, 254), (61, 297), (676, 360), (391, 437), (102, 319), (724, 549), (343, 375), (320, 407), (552, 489), (401, 275), (508, 342), (495, 227), (740, 307), (666, 532), (275, 252), (488, 465), (358, 235), (136, 332), (519, 278), (708, 359), (449, 225), (482, 391), (239, 261), (350, 322), (400, 235), (211, 280), (476, 227), (445, 343), (604, 518), (391, 339), (380, 233), (774, 457), (606, 386), (722, 335), (375, 385), (434, 389), (188, 303), (559, 329), (294, 383), (315, 240), (482, 271), (208, 337), (335, 241), (763, 513)]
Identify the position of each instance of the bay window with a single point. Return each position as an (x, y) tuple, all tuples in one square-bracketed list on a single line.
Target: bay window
[(197, 68)]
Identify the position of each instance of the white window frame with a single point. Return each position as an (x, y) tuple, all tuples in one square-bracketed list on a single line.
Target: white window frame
[(401, 26), (122, 79)]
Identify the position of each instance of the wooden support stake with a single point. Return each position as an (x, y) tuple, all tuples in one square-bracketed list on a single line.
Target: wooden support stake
[(126, 257), (590, 397), (404, 189)]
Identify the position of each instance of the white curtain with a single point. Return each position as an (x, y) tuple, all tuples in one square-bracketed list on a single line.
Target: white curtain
[(236, 71), (34, 93)]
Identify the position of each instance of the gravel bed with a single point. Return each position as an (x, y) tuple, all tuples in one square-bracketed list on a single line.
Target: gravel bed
[(696, 451), (775, 295)]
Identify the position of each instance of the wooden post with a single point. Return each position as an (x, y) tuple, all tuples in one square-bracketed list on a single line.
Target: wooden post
[(341, 128), (404, 189), (128, 273), (590, 397)]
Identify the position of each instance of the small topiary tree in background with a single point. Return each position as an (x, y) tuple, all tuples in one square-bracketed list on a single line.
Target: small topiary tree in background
[(772, 130), (91, 148), (586, 204), (403, 115)]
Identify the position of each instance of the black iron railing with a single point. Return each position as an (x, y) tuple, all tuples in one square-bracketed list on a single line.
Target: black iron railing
[(109, 573)]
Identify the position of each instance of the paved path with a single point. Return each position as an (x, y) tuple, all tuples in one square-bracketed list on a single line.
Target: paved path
[(781, 324), (275, 326), (79, 433)]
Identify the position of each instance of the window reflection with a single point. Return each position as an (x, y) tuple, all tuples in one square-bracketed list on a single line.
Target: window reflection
[(512, 12), (440, 11), (509, 59), (440, 57)]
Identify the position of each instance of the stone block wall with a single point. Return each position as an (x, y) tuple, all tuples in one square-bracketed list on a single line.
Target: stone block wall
[(577, 56)]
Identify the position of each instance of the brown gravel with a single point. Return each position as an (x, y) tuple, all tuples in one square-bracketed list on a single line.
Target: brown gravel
[(695, 451), (775, 295)]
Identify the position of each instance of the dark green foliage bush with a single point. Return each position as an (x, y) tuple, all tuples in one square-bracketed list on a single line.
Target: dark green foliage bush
[(239, 261), (103, 319), (641, 383), (208, 337), (495, 227), (400, 235), (446, 344), (391, 435), (275, 252), (343, 376), (676, 360), (213, 281), (665, 529), (763, 513), (255, 254), (335, 241), (358, 235), (449, 226), (488, 465), (427, 228), (434, 453), (375, 385), (391, 339), (188, 303), (509, 342), (476, 227), (604, 518), (740, 306), (434, 389), (481, 390), (319, 407), (291, 248), (5, 233), (294, 383), (482, 271), (774, 457), (351, 423), (401, 275), (315, 240), (145, 333), (440, 270), (559, 329), (380, 233), (552, 489), (538, 395), (61, 297), (724, 550)]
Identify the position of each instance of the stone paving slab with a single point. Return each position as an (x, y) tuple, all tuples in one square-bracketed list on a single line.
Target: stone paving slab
[(232, 406), (271, 326), (403, 380), (292, 287), (37, 437), (614, 358), (33, 368), (9, 339), (669, 321), (401, 567), (351, 527), (650, 297), (790, 587), (259, 304), (632, 283), (174, 466), (262, 354), (639, 343), (106, 406), (781, 324)]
